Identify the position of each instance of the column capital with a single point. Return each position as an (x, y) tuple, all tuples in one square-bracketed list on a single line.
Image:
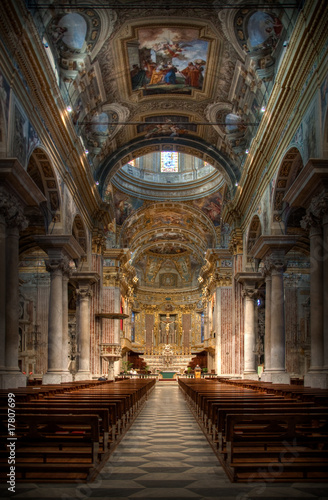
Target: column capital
[(316, 211), (249, 293), (12, 211), (83, 293), (274, 264), (62, 265)]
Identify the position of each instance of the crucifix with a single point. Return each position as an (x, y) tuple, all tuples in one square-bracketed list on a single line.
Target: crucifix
[(167, 322)]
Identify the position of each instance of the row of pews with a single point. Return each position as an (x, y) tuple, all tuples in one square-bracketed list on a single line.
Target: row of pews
[(263, 432), (66, 432)]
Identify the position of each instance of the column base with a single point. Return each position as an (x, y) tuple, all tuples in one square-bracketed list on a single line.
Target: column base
[(82, 376), (276, 377), (67, 377), (316, 379), (12, 380), (250, 376), (56, 378)]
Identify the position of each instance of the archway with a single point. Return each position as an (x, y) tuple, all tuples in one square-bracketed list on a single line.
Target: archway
[(290, 167)]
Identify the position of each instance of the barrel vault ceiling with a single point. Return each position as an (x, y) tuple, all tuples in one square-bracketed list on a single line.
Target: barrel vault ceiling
[(143, 78)]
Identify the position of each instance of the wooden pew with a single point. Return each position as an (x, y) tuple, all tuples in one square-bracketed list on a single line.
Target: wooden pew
[(71, 448), (48, 442), (271, 439)]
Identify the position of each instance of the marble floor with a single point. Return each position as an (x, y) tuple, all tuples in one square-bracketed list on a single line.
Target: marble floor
[(165, 455)]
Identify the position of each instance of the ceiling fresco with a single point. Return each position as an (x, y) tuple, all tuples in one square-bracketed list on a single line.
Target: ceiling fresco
[(167, 61), (148, 80)]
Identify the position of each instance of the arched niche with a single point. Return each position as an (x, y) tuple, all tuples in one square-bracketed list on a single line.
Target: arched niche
[(290, 167)]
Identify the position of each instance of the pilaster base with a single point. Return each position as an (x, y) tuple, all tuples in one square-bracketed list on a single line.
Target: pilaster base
[(80, 375), (67, 377), (250, 376), (56, 378), (316, 379), (12, 380), (276, 377)]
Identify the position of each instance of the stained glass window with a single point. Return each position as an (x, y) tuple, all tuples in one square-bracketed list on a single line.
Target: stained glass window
[(132, 163), (169, 161)]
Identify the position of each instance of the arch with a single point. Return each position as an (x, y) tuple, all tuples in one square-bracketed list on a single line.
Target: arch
[(4, 111), (189, 145), (3, 134), (290, 167), (325, 133), (79, 233), (254, 232), (43, 174)]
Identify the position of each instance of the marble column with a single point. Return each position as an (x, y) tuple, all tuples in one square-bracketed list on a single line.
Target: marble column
[(316, 221), (250, 281), (325, 290), (66, 375), (56, 267), (277, 371), (2, 292), (12, 298), (15, 221), (250, 369), (83, 332), (315, 376), (14, 377), (218, 370), (267, 335), (310, 191), (17, 192), (316, 298)]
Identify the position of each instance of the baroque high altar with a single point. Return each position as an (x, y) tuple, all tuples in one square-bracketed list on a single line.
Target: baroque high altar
[(163, 190)]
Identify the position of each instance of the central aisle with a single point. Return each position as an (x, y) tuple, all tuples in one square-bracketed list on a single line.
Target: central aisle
[(165, 454)]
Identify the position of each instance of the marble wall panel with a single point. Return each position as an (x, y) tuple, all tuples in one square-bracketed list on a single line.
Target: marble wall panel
[(186, 327)]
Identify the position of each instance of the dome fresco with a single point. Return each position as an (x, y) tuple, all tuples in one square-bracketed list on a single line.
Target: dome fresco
[(72, 28)]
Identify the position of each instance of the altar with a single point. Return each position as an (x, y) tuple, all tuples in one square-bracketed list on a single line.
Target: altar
[(167, 374)]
